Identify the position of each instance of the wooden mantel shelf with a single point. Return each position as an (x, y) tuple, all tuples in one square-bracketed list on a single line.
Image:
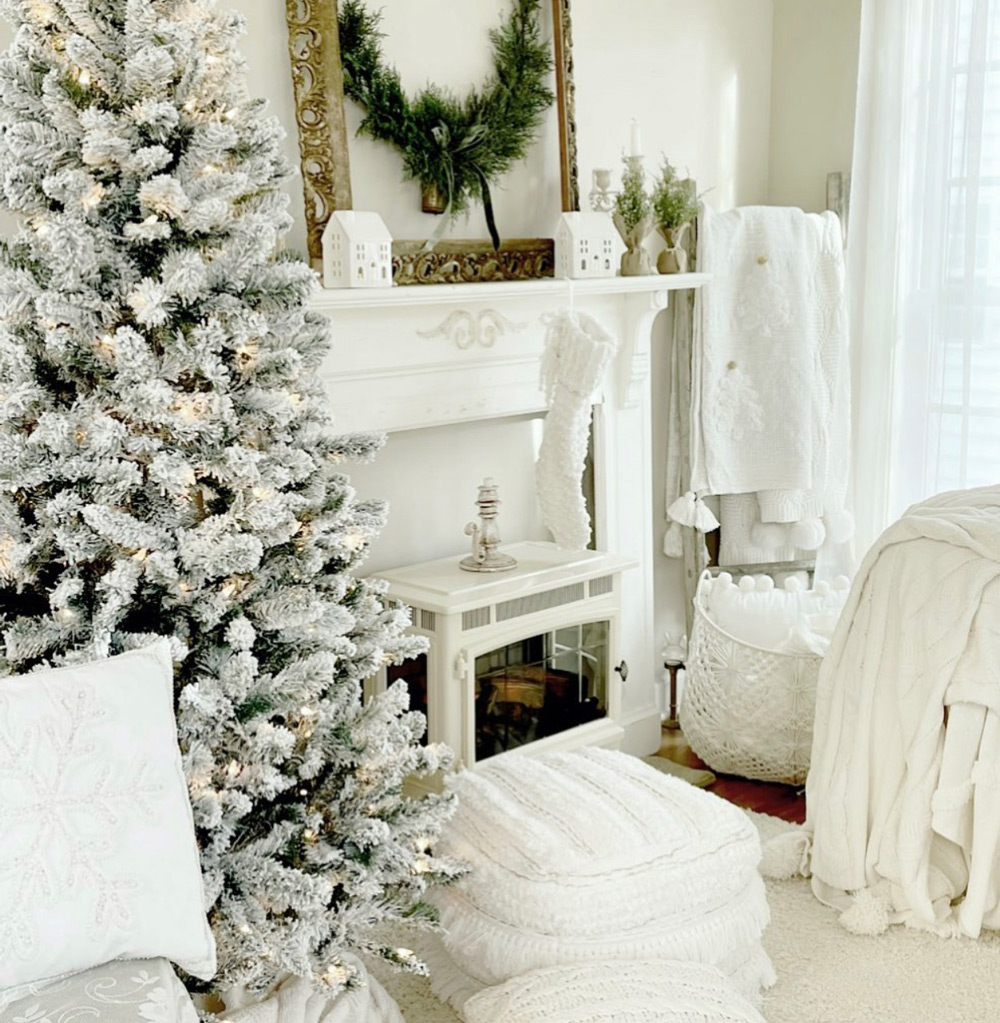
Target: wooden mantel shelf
[(329, 300)]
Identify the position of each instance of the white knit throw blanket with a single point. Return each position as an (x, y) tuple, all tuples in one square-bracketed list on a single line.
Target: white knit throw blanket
[(904, 806), (296, 1001), (770, 404), (577, 352)]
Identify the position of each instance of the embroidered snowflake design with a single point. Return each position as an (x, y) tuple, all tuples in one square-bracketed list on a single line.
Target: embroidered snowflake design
[(62, 803)]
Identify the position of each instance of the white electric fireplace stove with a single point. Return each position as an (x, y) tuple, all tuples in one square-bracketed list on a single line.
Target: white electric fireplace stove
[(526, 659)]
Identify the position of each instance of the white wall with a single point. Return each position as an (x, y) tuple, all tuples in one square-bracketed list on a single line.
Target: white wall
[(813, 97), (696, 74), (431, 478)]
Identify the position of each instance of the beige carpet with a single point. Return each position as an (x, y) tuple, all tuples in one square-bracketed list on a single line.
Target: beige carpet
[(827, 975)]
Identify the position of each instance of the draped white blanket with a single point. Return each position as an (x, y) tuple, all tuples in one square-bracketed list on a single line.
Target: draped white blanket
[(770, 404), (769, 369), (903, 796), (295, 1001)]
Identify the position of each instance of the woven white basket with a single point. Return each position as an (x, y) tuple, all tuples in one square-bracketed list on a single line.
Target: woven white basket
[(746, 710)]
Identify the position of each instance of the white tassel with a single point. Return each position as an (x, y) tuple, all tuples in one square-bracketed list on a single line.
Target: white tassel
[(868, 915), (704, 520), (673, 541), (787, 855), (684, 509), (691, 510)]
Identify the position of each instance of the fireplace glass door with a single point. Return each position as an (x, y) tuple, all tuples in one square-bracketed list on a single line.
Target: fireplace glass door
[(541, 685)]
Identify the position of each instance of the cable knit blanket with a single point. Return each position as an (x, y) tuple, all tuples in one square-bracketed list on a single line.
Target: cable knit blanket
[(903, 795)]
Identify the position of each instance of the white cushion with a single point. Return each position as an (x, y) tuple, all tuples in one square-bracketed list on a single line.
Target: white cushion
[(116, 992), (98, 859), (631, 991), (594, 855)]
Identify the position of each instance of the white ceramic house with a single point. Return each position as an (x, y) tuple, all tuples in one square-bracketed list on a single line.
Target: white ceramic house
[(586, 245), (357, 251)]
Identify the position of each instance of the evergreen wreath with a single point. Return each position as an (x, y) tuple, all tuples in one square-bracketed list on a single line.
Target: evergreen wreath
[(460, 146)]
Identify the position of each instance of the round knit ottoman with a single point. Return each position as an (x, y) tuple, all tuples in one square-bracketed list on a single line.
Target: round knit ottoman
[(593, 856)]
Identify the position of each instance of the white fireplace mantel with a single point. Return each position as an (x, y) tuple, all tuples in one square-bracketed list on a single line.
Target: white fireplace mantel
[(422, 356)]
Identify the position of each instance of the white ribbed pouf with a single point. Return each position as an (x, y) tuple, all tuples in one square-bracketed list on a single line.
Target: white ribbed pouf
[(638, 991), (592, 856)]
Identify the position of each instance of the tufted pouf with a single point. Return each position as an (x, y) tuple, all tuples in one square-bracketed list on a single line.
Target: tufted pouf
[(593, 856), (636, 991)]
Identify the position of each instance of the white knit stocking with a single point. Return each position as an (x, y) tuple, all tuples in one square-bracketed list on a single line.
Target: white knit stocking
[(577, 352)]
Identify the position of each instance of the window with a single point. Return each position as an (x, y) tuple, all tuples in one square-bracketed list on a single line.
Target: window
[(948, 430)]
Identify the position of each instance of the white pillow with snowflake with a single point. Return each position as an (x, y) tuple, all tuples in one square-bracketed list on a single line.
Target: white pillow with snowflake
[(98, 859)]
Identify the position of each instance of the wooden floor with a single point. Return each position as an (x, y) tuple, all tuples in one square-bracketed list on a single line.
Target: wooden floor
[(785, 801)]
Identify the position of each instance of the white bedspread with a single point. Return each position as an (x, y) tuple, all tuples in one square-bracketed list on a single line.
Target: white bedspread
[(903, 796)]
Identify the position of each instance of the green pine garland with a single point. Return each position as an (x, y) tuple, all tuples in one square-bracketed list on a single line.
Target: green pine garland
[(460, 146)]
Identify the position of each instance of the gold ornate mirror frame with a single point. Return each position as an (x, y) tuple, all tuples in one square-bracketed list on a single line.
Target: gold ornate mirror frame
[(314, 47)]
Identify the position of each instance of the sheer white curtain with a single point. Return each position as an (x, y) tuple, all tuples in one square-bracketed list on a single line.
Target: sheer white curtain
[(924, 254)]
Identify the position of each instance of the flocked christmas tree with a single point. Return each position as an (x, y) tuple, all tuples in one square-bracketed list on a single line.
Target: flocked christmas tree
[(167, 467)]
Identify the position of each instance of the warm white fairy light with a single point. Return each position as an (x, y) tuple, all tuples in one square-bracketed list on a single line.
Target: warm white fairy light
[(93, 197), (6, 545), (66, 616), (233, 768), (151, 219), (189, 407), (334, 975), (141, 555), (83, 77)]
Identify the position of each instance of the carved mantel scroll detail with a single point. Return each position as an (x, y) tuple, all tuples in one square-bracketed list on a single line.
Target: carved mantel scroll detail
[(642, 310), (465, 329)]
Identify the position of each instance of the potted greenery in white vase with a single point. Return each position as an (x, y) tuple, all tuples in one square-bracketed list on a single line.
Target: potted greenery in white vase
[(675, 206), (633, 216)]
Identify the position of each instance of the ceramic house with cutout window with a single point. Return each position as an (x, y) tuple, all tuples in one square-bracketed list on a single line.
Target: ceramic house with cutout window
[(357, 251), (586, 245)]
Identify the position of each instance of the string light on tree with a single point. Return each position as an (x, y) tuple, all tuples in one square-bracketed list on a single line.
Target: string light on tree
[(182, 464)]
